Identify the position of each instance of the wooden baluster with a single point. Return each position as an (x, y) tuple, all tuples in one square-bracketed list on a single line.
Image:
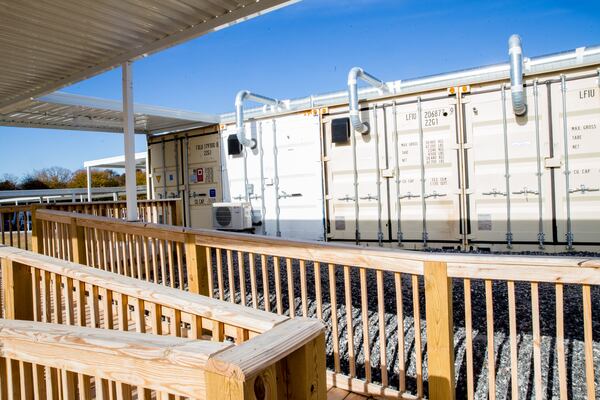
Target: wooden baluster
[(277, 271), (230, 276), (349, 327), (303, 290), (291, 289), (138, 256), (382, 334), (265, 282), (154, 251), (418, 342), (364, 308), (537, 352), (491, 351), (334, 318), (171, 263), (469, 338), (318, 291), (588, 341), (512, 316), (220, 273), (560, 341), (146, 258), (208, 271), (163, 266), (179, 255), (242, 275)]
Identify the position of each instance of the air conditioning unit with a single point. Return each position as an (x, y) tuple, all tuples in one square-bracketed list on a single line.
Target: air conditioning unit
[(232, 216)]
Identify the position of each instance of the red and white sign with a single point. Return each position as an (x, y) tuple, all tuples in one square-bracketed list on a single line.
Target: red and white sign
[(200, 175)]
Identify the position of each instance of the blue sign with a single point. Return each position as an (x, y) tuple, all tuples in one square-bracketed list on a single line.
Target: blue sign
[(212, 193)]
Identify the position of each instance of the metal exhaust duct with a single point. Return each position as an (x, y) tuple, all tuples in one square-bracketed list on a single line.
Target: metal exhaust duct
[(515, 53), (240, 98), (353, 76)]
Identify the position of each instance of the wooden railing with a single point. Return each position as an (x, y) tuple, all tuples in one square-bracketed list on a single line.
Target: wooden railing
[(273, 357), (15, 221), (400, 324)]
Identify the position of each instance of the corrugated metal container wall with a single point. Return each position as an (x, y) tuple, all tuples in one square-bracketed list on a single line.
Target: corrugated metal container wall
[(578, 178), (203, 178), (284, 170), (427, 190), (506, 200), (372, 192), (165, 168)]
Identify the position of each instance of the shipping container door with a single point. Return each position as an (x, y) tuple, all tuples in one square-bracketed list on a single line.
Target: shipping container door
[(578, 175), (295, 171), (166, 170), (505, 195), (370, 163), (204, 178), (426, 189)]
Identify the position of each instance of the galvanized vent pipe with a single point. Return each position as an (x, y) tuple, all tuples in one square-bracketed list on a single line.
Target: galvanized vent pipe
[(353, 76), (242, 96), (515, 53)]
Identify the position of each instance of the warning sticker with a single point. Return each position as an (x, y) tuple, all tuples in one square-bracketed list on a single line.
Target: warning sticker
[(200, 175), (484, 222)]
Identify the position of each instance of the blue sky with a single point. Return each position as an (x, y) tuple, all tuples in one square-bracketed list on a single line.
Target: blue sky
[(306, 49)]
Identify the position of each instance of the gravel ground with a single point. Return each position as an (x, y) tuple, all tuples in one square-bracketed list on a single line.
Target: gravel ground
[(573, 312)]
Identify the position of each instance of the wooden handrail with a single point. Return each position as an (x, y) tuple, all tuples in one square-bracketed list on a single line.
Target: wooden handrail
[(217, 262), (284, 359), (162, 363), (227, 313), (341, 254)]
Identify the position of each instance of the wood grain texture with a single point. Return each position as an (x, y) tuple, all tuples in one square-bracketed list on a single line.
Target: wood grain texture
[(231, 314), (162, 363), (440, 330)]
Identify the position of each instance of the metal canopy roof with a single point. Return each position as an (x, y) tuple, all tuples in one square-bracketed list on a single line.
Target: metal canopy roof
[(74, 112), (116, 161), (46, 45)]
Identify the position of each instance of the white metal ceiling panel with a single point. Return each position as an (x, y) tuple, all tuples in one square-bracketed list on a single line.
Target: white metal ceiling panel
[(49, 44), (75, 112)]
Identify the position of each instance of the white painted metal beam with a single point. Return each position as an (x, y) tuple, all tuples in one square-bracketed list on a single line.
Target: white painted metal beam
[(129, 136)]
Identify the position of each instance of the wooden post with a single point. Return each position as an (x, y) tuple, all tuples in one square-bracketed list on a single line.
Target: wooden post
[(18, 290), (177, 212), (304, 372), (37, 239), (77, 237), (197, 267), (18, 304), (440, 330)]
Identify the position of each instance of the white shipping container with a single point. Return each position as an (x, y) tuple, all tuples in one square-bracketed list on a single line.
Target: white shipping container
[(284, 176)]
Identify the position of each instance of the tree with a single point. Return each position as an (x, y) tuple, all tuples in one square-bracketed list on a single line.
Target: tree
[(30, 182), (104, 178), (8, 182), (54, 177)]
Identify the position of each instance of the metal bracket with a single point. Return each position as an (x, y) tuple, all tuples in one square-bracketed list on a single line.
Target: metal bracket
[(435, 195), (347, 198), (409, 196), (285, 195), (494, 193), (369, 197), (583, 189)]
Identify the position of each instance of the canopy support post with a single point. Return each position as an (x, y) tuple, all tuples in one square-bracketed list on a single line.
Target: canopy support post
[(89, 183), (129, 134)]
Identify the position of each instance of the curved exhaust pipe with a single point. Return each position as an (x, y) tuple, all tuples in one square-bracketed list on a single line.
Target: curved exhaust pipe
[(353, 76), (515, 53), (240, 98)]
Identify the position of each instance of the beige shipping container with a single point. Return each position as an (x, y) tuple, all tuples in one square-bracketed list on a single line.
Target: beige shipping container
[(506, 199), (578, 175), (203, 177), (427, 189)]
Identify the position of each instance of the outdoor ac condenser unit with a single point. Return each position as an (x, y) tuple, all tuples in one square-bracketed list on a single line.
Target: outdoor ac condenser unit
[(232, 216)]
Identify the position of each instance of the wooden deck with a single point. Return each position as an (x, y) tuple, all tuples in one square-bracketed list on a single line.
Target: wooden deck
[(334, 393)]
